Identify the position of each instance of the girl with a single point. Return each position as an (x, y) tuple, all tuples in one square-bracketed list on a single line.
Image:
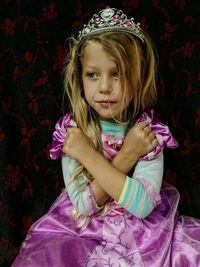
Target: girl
[(116, 210)]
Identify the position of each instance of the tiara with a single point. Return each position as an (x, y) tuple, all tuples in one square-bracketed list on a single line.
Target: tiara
[(110, 19)]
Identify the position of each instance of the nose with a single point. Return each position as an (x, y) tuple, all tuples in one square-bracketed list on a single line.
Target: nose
[(105, 86)]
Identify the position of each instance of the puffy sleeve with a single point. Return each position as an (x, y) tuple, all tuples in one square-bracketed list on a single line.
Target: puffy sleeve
[(59, 135), (162, 132), (141, 192)]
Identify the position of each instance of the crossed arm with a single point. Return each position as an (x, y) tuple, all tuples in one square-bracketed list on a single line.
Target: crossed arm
[(109, 178)]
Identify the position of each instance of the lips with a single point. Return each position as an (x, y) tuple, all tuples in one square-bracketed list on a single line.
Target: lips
[(106, 103)]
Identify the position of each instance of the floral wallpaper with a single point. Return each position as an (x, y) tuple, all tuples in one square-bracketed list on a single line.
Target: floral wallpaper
[(32, 54)]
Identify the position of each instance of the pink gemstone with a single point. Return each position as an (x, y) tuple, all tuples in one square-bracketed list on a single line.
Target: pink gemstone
[(116, 17), (98, 20), (128, 23)]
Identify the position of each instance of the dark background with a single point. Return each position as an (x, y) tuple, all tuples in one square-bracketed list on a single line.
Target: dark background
[(33, 35)]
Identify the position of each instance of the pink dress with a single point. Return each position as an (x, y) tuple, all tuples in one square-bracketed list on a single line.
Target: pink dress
[(114, 238)]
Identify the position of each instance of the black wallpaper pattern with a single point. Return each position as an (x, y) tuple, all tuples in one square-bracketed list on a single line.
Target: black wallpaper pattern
[(32, 53)]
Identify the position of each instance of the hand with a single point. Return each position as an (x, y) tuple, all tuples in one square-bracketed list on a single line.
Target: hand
[(76, 144), (140, 140)]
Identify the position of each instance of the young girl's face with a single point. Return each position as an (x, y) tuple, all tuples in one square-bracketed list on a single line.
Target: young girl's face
[(101, 82)]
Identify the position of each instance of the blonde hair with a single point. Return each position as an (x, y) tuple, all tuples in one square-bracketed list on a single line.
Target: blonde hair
[(136, 64)]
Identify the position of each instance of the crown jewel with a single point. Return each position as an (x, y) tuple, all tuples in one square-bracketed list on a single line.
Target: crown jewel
[(111, 19)]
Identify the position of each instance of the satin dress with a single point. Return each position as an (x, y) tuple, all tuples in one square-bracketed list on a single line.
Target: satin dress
[(114, 238)]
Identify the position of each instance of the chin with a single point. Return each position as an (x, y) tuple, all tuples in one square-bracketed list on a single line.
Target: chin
[(106, 117)]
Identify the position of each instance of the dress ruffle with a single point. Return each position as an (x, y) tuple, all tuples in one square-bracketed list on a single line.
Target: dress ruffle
[(162, 132), (59, 135)]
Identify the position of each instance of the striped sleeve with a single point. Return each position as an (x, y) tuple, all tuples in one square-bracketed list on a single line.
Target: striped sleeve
[(140, 193), (82, 200)]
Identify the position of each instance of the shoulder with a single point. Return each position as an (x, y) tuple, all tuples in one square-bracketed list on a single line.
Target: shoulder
[(64, 122)]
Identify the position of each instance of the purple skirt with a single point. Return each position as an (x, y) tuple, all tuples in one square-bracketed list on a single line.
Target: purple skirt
[(115, 238)]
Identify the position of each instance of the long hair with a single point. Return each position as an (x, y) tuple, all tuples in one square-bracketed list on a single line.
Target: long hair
[(136, 64)]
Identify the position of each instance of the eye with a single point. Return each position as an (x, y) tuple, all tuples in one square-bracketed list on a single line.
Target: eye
[(91, 75), (116, 74)]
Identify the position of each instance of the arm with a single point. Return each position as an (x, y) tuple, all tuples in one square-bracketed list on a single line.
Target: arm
[(140, 193), (139, 141), (113, 179), (109, 178), (83, 199)]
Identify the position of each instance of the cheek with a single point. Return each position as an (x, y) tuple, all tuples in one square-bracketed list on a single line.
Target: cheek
[(87, 92)]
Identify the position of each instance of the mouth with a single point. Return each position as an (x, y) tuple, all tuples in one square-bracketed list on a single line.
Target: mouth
[(106, 103)]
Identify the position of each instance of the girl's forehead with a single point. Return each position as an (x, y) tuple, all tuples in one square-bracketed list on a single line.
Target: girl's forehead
[(92, 49), (89, 45), (95, 52), (93, 43)]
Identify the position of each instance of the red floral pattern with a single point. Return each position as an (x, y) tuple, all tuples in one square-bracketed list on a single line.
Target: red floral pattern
[(31, 62)]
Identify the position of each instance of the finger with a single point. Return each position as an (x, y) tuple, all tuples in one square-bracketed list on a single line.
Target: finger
[(147, 130), (70, 130), (154, 142), (64, 150), (66, 139), (152, 135), (142, 124)]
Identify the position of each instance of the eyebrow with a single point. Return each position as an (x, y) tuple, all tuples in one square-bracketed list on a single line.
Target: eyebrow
[(90, 66), (96, 67)]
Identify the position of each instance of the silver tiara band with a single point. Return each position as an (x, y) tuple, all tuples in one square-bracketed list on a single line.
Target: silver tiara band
[(111, 19)]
